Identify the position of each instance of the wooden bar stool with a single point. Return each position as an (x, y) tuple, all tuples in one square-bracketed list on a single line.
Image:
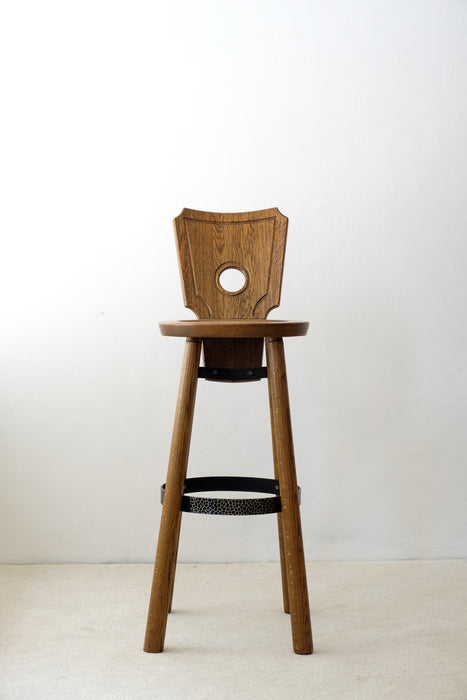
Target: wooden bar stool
[(232, 329)]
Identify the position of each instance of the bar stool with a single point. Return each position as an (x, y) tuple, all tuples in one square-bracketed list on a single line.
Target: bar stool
[(232, 330)]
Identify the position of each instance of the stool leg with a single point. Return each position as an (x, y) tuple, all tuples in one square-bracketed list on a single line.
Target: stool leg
[(291, 525), (164, 568), (172, 579), (285, 583)]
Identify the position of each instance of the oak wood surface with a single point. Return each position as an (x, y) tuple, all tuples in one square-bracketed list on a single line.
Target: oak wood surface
[(233, 353), (232, 329), (166, 556), (252, 242), (284, 462), (178, 527), (238, 328)]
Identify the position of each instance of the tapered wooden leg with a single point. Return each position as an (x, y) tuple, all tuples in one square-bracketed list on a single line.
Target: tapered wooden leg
[(290, 515), (285, 583), (169, 528), (172, 580)]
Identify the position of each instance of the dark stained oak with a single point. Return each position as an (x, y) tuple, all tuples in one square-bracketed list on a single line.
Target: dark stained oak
[(233, 353)]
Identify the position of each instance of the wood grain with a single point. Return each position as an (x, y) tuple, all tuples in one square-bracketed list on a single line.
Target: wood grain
[(284, 460), (238, 328), (233, 353), (232, 328), (209, 242), (166, 556)]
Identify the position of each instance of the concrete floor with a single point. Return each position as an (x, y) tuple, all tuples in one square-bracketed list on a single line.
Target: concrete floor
[(381, 630)]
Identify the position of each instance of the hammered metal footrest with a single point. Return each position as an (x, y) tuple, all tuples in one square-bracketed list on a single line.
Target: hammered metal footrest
[(230, 506)]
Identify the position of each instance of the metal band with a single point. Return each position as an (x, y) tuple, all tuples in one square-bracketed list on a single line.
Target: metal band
[(230, 506), (223, 374)]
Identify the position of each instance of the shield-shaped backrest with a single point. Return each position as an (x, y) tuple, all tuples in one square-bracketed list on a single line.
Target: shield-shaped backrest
[(209, 244)]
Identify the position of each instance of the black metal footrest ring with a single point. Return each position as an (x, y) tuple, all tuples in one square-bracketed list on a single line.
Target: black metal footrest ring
[(230, 506)]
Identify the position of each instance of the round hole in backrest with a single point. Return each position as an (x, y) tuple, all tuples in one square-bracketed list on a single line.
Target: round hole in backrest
[(232, 280)]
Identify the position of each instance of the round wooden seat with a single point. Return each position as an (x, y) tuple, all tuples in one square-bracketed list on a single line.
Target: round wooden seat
[(233, 328)]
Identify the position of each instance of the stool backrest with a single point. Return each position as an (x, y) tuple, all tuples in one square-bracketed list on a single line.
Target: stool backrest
[(251, 242)]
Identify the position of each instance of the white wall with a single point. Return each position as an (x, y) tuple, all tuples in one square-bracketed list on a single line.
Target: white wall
[(348, 116)]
